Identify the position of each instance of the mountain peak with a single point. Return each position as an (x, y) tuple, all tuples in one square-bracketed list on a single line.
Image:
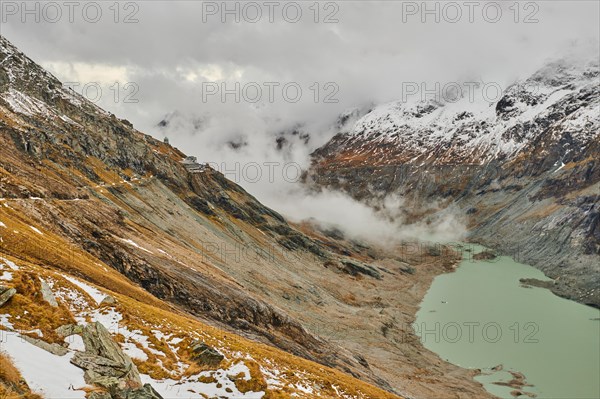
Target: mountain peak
[(473, 129)]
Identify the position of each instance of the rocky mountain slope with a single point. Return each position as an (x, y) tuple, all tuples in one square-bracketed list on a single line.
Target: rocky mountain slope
[(177, 281), (522, 171)]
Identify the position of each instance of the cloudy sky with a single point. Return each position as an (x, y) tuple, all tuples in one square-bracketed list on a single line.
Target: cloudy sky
[(162, 57), (365, 48)]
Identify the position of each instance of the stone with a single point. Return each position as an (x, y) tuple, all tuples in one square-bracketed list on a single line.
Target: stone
[(408, 270), (104, 361), (69, 329), (94, 378), (100, 365), (484, 255), (354, 269), (6, 294), (145, 392), (108, 300), (205, 355), (55, 349), (434, 250), (47, 294), (534, 282)]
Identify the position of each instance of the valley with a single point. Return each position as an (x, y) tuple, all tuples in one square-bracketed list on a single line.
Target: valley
[(522, 173), (207, 244), (87, 198)]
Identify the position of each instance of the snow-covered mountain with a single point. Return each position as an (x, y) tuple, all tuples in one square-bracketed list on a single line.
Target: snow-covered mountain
[(523, 170), (469, 128)]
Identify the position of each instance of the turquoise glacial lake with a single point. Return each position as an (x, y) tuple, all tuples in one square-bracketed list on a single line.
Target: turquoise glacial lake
[(481, 316)]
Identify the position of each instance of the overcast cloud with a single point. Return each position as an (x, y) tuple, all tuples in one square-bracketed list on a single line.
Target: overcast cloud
[(373, 48)]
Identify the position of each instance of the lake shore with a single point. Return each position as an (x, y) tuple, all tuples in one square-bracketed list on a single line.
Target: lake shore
[(488, 317)]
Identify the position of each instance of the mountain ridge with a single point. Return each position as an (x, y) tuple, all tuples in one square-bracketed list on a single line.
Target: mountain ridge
[(86, 194), (523, 171)]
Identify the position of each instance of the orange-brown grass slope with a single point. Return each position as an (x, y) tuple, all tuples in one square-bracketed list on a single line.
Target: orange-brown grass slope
[(48, 255)]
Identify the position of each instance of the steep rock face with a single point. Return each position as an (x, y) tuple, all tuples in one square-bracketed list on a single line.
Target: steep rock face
[(58, 146), (523, 171), (73, 173)]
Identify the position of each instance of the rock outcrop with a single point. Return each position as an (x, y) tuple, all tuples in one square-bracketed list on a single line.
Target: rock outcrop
[(205, 355), (6, 293), (55, 349), (484, 255), (47, 294), (108, 300), (69, 329), (107, 366)]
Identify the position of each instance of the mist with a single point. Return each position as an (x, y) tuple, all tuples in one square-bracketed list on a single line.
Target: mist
[(264, 142)]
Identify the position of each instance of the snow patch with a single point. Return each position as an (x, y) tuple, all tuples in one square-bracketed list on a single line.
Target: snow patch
[(190, 387), (36, 230), (134, 244), (91, 291), (109, 318), (75, 342), (6, 276), (133, 351), (24, 104), (5, 322), (52, 376), (9, 264), (37, 332)]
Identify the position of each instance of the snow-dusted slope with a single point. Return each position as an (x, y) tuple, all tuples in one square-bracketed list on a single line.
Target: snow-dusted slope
[(20, 71), (522, 171), (157, 344), (439, 128)]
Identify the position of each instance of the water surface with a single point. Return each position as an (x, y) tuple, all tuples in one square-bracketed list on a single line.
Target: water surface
[(481, 316)]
